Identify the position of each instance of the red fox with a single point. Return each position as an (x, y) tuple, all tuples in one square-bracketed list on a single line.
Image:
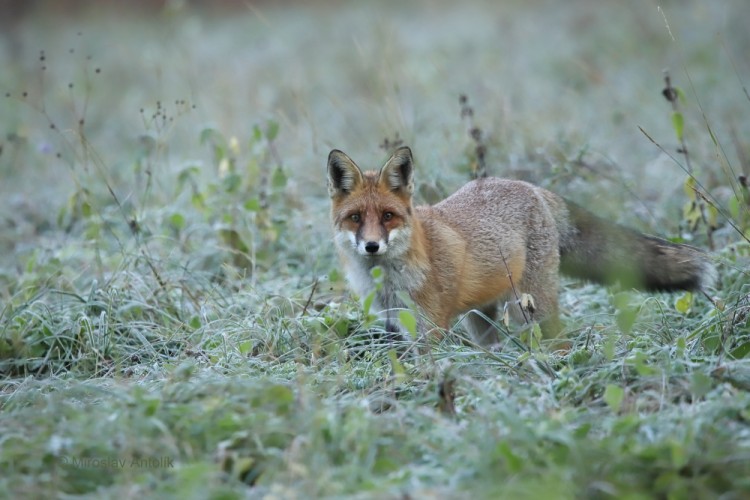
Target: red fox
[(488, 243)]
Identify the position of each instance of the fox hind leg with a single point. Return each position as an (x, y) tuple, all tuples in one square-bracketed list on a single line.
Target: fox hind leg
[(482, 331), (541, 281)]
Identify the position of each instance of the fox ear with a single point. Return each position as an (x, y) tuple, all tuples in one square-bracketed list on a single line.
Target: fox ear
[(397, 172), (343, 174)]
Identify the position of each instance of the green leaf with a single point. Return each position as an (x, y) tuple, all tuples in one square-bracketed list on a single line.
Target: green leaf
[(252, 205), (690, 187), (257, 134), (396, 367), (683, 303), (626, 318), (640, 361), (232, 239), (185, 176), (231, 182), (608, 349), (385, 465), (712, 344), (341, 327), (582, 431), (93, 231), (245, 347), (367, 302), (678, 122), (622, 300), (281, 397), (177, 221), (700, 384), (334, 275), (86, 209), (681, 346), (150, 406), (680, 94), (613, 396), (377, 276), (741, 351), (679, 457), (198, 200), (272, 130), (219, 153), (514, 462), (208, 134), (409, 321), (278, 180)]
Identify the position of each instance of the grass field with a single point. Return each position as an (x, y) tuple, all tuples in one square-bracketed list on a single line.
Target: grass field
[(173, 319)]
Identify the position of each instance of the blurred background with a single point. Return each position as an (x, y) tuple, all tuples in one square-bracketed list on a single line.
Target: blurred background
[(135, 94)]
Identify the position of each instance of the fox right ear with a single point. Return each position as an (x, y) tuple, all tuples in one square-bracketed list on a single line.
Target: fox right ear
[(398, 172), (343, 174)]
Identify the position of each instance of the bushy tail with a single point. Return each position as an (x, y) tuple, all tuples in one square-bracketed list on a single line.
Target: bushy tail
[(599, 250)]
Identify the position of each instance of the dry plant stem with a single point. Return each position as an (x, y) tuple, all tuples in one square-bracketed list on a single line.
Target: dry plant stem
[(697, 183), (479, 167), (390, 145), (671, 94), (310, 297)]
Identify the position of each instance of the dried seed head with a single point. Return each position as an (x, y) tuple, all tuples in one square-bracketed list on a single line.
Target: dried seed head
[(670, 94)]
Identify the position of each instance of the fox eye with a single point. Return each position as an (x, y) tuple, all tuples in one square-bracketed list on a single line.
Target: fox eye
[(388, 216), (355, 217)]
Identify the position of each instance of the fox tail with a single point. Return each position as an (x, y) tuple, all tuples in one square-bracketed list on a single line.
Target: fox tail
[(599, 250)]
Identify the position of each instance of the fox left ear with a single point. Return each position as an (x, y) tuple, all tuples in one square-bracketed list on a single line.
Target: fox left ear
[(397, 172), (343, 174)]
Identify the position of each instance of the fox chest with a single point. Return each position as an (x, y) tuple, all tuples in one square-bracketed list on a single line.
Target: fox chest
[(396, 277)]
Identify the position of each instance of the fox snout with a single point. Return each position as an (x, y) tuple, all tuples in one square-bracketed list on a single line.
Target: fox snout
[(372, 247), (364, 241), (391, 243), (371, 235)]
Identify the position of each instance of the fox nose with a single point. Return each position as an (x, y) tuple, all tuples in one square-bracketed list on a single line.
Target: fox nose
[(372, 247)]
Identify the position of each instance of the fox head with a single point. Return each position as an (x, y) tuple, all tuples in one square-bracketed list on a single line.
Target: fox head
[(372, 211)]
